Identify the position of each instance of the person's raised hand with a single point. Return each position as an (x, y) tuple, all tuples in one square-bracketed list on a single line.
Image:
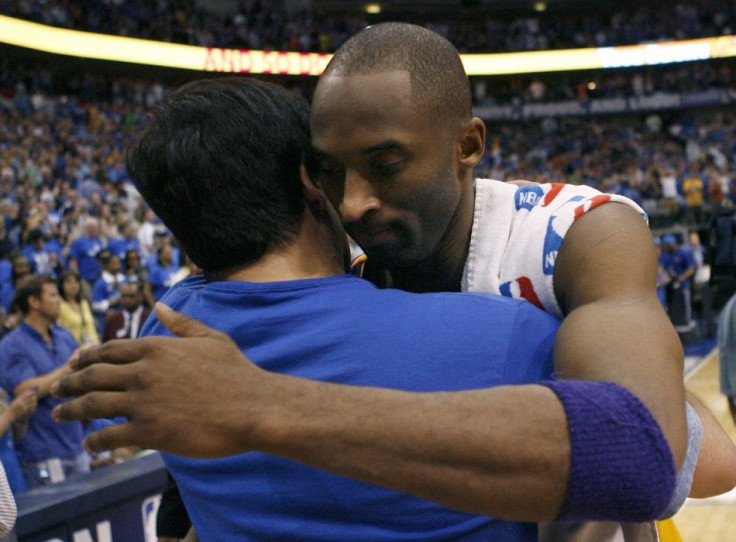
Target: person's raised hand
[(23, 406), (190, 395)]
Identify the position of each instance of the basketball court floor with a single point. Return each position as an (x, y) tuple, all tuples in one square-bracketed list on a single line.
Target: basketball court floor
[(714, 519)]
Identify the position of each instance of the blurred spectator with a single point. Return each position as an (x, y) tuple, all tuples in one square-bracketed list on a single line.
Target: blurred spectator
[(106, 289), (694, 190), (188, 268), (147, 234), (34, 355), (162, 270), (668, 184), (75, 313), (136, 272), (14, 416), (126, 322), (128, 240), (43, 260), (20, 269), (84, 250), (678, 262), (6, 245)]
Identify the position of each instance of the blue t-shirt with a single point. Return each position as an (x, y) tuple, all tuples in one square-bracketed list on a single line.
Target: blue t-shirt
[(40, 260), (84, 250), (678, 261), (23, 355), (120, 245), (9, 458), (160, 278), (343, 329)]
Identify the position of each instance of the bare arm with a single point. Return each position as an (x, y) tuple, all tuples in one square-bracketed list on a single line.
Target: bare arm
[(711, 478), (616, 330)]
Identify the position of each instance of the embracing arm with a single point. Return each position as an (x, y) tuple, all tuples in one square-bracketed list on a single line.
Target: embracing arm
[(715, 472), (616, 330), (502, 451)]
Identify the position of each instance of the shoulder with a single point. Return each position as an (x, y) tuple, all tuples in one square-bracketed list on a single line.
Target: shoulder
[(590, 258), (13, 340), (63, 334)]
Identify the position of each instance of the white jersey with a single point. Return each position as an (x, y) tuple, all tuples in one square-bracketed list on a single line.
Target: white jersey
[(517, 233)]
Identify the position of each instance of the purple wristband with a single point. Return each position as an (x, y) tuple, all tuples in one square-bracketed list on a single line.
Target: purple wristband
[(621, 467)]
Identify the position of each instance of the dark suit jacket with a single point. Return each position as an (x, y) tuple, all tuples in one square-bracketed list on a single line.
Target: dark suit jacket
[(115, 324)]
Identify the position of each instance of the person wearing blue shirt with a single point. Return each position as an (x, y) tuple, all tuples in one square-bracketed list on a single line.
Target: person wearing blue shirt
[(119, 246), (43, 260), (33, 356), (106, 289), (162, 270), (83, 252), (679, 264)]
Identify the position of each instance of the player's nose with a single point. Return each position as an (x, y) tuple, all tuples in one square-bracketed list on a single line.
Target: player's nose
[(358, 197)]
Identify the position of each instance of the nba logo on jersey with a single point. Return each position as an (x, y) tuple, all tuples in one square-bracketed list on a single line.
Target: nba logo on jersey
[(528, 196)]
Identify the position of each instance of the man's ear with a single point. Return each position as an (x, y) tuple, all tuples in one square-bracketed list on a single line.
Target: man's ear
[(313, 194), (33, 302), (472, 142)]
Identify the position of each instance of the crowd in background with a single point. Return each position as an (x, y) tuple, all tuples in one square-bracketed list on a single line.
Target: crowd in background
[(62, 161), (256, 24)]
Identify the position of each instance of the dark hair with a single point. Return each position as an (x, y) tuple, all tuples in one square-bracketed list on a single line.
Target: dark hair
[(128, 253), (219, 164), (440, 86), (31, 286), (34, 235), (65, 275), (17, 260)]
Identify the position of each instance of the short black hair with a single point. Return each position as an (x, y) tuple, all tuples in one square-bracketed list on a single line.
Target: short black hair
[(219, 162), (440, 86), (34, 235), (31, 286)]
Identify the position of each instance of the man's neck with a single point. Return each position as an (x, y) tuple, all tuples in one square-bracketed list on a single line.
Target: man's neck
[(41, 324), (443, 270), (311, 255)]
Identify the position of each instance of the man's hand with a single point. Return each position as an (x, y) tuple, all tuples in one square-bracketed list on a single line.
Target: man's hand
[(160, 384)]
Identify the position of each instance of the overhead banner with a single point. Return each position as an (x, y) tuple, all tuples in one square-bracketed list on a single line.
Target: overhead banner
[(214, 59), (602, 106)]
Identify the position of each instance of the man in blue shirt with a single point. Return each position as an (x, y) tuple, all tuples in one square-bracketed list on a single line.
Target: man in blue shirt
[(83, 252), (679, 264), (128, 240), (33, 356)]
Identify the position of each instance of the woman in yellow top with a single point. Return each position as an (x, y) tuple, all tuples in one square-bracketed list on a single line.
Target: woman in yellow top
[(75, 314)]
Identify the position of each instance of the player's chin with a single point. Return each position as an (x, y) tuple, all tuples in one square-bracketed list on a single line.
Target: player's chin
[(395, 255)]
